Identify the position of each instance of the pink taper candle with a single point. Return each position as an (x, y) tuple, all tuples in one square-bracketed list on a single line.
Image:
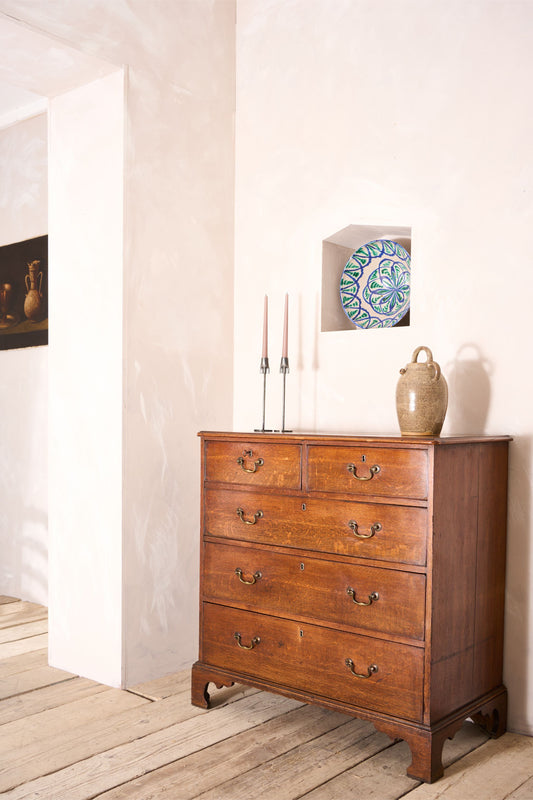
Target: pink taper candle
[(284, 351), (265, 329)]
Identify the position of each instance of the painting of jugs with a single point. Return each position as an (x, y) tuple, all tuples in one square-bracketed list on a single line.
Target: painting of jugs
[(24, 293), (33, 303)]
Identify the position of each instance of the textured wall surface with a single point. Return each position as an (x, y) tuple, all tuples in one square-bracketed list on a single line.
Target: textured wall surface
[(179, 316), (402, 113), (86, 179), (24, 380), (178, 289)]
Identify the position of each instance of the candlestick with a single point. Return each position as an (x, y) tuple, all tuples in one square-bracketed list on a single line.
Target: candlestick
[(285, 349), (284, 369), (284, 366), (264, 368), (265, 329)]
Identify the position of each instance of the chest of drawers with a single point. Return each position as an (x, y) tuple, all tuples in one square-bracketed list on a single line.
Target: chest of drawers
[(364, 574)]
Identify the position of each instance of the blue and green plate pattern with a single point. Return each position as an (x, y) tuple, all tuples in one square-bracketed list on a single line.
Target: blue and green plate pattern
[(375, 285)]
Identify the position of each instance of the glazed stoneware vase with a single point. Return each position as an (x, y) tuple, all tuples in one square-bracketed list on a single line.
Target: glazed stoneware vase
[(421, 396)]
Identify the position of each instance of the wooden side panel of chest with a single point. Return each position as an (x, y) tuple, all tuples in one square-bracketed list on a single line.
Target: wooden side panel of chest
[(467, 547)]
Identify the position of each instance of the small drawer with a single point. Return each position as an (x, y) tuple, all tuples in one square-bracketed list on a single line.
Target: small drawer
[(368, 598), (366, 530), (255, 463), (359, 670), (368, 470)]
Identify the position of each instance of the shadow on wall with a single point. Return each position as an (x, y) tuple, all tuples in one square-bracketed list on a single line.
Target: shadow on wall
[(469, 381), (308, 360), (23, 467), (468, 377), (24, 564)]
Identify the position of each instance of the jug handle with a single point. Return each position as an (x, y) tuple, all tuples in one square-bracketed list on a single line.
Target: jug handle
[(26, 279), (429, 360)]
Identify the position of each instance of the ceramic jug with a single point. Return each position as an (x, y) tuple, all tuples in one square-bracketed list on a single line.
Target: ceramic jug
[(421, 396), (33, 301)]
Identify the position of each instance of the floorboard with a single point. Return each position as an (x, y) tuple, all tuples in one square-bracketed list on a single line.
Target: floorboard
[(64, 737), (16, 606), (12, 614), (31, 679), (27, 645), (13, 634), (229, 759), (25, 705), (23, 662)]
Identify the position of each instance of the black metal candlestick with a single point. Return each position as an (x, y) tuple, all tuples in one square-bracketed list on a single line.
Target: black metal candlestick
[(284, 369), (264, 369)]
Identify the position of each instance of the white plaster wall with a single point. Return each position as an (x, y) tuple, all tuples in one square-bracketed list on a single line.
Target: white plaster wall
[(178, 291), (179, 301), (24, 379), (86, 181), (401, 113), (32, 60)]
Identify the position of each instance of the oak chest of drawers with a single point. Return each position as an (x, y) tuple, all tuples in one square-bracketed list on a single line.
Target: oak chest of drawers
[(364, 574)]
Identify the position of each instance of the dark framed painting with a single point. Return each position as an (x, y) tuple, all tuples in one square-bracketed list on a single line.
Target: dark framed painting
[(24, 293)]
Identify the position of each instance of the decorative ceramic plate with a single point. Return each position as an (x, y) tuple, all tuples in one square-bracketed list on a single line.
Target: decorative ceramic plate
[(375, 284)]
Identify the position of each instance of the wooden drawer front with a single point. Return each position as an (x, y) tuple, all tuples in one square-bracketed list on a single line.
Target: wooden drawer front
[(255, 464), (278, 583), (369, 471), (365, 530), (313, 658)]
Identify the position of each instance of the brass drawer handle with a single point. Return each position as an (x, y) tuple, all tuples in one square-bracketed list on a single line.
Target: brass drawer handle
[(249, 454), (373, 471), (376, 527), (255, 577), (371, 597), (372, 669), (255, 640), (257, 515)]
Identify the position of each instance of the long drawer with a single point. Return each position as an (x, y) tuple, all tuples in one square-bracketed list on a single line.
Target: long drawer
[(366, 530), (368, 598), (365, 672), (368, 470), (254, 464)]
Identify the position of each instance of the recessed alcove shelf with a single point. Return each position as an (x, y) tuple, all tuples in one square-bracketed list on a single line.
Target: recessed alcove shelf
[(336, 250)]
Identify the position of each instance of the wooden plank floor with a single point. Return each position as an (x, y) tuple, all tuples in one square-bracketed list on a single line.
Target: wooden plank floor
[(63, 737)]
